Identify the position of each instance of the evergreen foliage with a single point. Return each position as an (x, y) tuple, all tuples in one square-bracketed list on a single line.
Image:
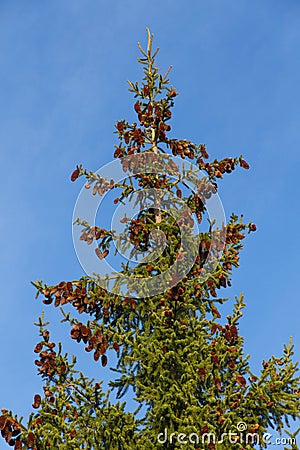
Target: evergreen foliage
[(184, 362)]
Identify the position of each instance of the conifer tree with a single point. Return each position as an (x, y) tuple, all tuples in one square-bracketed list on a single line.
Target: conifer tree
[(161, 317)]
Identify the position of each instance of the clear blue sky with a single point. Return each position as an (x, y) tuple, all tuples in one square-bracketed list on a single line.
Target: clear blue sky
[(64, 66)]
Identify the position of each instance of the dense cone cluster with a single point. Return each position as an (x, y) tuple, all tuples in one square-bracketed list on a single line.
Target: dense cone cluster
[(96, 341), (11, 432), (74, 293), (48, 364), (173, 351)]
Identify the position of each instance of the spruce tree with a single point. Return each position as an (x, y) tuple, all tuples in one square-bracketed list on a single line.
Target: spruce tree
[(160, 316)]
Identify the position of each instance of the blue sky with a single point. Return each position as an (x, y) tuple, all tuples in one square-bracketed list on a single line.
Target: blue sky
[(64, 67)]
